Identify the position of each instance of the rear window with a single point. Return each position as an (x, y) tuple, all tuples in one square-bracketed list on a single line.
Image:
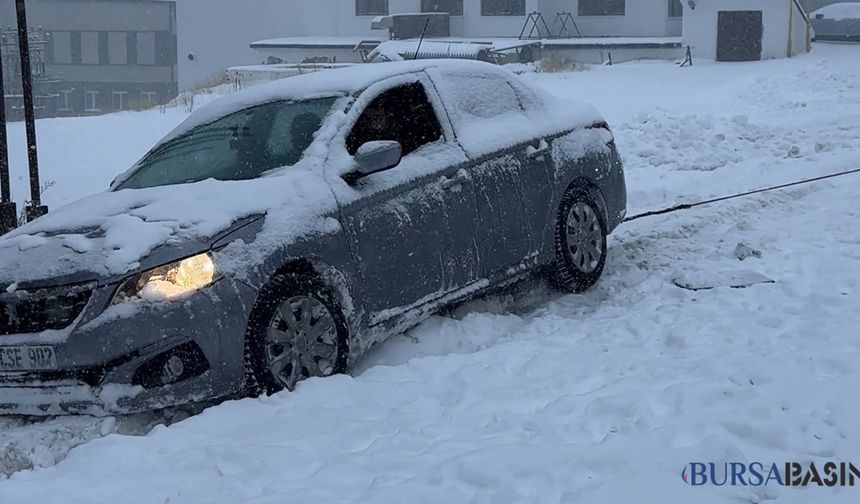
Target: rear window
[(479, 95), (489, 108)]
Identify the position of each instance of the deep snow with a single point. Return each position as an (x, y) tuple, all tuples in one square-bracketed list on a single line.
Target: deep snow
[(535, 397)]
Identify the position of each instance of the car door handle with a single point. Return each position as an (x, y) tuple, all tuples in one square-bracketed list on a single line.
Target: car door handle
[(456, 180), (537, 152)]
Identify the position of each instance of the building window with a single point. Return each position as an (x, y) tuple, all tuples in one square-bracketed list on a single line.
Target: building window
[(371, 7), (117, 48), (90, 48), (119, 100), (452, 7), (75, 38), (62, 47), (675, 8), (165, 49), (148, 99), (65, 103), (146, 48), (601, 7), (91, 101), (131, 48), (503, 7)]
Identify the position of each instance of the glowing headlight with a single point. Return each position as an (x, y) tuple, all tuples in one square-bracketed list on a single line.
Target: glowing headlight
[(169, 282)]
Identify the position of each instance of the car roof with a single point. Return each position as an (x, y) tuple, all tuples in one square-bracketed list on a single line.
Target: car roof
[(326, 83)]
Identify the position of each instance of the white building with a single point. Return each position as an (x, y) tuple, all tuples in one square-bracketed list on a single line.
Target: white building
[(745, 30), (215, 34)]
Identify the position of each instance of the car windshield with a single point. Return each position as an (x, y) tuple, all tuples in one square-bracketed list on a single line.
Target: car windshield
[(240, 146)]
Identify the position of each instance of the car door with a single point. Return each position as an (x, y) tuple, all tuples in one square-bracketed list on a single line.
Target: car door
[(502, 168), (408, 226), (538, 178)]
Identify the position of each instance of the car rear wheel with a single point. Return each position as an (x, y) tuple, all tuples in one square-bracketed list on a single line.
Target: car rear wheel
[(580, 242), (296, 331)]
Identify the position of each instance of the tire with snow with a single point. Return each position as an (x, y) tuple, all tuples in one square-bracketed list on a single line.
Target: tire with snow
[(580, 242), (296, 331)]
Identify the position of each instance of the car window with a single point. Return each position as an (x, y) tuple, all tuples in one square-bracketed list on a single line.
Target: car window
[(479, 95), (403, 114), (243, 145), (489, 108)]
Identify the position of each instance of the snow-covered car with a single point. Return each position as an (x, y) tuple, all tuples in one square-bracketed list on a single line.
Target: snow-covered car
[(280, 232)]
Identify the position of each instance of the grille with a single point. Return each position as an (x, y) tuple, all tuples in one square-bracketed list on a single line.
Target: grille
[(42, 309)]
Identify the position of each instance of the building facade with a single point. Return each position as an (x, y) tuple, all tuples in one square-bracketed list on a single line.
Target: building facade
[(104, 55), (746, 30), (216, 34)]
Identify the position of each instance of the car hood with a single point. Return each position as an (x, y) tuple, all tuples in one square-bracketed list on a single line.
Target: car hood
[(110, 235)]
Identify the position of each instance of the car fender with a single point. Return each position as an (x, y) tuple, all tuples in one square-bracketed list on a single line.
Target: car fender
[(326, 256)]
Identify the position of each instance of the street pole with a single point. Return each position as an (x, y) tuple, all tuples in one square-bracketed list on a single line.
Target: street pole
[(8, 211), (34, 209)]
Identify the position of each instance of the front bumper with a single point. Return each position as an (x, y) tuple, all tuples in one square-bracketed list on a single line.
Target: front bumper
[(75, 398), (114, 362)]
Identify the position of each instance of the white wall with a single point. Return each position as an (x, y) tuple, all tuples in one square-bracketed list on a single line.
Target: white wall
[(800, 37), (700, 26), (643, 18), (219, 33)]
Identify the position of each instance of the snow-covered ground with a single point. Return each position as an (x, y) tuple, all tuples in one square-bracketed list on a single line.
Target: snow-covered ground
[(535, 397)]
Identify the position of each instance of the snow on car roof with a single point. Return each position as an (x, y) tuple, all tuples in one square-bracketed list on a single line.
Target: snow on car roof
[(340, 81)]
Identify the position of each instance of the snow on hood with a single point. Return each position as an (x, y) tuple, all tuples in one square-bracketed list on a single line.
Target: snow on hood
[(109, 234)]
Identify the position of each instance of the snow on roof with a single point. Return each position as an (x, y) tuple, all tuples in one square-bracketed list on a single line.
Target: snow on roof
[(334, 82), (394, 50), (315, 41), (837, 11)]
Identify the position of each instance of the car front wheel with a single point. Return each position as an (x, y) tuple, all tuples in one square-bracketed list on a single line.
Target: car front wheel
[(580, 242), (296, 331)]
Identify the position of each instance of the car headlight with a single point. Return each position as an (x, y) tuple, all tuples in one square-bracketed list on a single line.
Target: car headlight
[(169, 282)]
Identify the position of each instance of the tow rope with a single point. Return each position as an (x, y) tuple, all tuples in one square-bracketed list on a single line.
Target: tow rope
[(687, 206)]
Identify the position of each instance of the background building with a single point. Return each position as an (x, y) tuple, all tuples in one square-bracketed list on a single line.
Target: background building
[(105, 55), (216, 34), (746, 30)]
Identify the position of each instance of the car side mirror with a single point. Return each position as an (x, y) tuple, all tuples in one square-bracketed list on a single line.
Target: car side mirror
[(375, 157)]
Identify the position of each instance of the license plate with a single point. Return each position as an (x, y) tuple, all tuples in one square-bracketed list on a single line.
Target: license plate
[(27, 358)]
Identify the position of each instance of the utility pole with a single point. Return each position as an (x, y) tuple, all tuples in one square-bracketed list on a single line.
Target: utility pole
[(34, 209), (8, 210)]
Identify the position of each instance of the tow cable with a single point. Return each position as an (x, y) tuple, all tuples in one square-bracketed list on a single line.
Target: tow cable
[(687, 206)]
